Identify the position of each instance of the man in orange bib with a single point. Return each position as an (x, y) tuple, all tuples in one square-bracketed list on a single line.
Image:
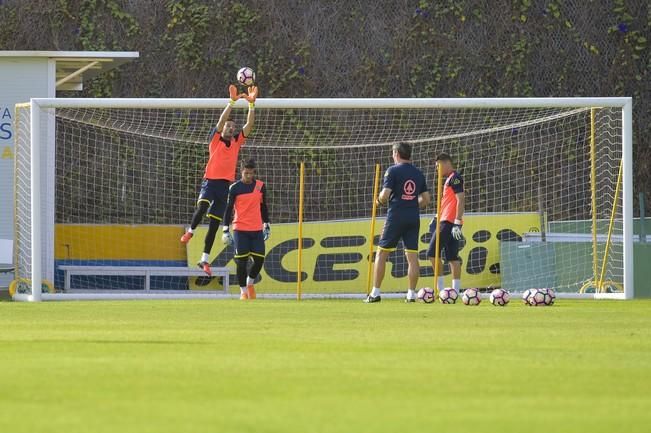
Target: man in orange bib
[(247, 210), (451, 217), (224, 149)]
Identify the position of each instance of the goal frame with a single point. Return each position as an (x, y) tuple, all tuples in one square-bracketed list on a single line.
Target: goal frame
[(39, 104)]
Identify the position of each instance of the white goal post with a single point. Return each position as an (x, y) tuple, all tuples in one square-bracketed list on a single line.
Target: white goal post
[(41, 182)]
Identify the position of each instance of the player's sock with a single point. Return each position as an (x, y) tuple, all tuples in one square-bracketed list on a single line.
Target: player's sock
[(441, 284), (205, 258), (242, 290), (456, 285), (250, 281), (375, 292), (411, 293), (190, 230)]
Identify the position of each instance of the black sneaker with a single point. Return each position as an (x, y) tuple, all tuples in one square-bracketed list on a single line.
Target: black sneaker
[(371, 299), (408, 300)]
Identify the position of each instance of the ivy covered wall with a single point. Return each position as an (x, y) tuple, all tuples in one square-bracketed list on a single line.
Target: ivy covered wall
[(339, 48)]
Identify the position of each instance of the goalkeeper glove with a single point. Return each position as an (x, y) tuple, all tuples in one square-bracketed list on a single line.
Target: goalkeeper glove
[(456, 230), (253, 93), (232, 93), (227, 237), (266, 231)]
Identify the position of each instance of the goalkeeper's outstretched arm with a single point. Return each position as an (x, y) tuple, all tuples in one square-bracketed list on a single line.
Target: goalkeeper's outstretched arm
[(250, 118), (224, 117), (226, 114)]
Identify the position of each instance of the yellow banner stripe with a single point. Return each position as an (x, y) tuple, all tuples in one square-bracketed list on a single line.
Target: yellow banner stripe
[(118, 242)]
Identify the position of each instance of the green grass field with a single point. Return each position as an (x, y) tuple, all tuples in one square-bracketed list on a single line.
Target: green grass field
[(324, 366)]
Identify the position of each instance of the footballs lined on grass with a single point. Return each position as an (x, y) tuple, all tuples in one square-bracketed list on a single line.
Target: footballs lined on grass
[(426, 295), (500, 297), (471, 297), (448, 296), (246, 76)]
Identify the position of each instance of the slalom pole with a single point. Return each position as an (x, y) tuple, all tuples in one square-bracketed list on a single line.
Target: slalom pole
[(299, 273), (376, 187), (437, 251)]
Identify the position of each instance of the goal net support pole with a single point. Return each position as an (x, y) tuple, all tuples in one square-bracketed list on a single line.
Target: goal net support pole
[(35, 185), (627, 172), (593, 192), (601, 282)]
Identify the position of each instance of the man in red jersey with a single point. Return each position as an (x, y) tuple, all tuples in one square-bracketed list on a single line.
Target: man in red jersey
[(247, 210), (220, 171), (451, 217)]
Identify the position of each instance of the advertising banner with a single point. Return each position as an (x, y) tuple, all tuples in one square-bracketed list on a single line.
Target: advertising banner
[(335, 255)]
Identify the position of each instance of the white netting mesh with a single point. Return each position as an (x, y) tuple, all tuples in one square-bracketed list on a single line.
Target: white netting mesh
[(126, 182)]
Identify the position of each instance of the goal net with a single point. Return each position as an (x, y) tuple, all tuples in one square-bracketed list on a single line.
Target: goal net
[(106, 184)]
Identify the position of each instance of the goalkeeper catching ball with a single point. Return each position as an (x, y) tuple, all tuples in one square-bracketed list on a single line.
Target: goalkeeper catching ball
[(224, 150)]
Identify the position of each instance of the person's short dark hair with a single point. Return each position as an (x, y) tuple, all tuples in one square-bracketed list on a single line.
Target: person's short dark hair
[(443, 157), (403, 149), (249, 163)]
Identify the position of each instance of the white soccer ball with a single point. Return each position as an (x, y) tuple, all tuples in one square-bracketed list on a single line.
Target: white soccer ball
[(500, 297), (539, 298), (551, 296), (246, 76), (426, 295), (525, 296), (448, 296), (471, 297)]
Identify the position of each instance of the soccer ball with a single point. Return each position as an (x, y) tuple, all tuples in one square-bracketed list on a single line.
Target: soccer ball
[(500, 297), (246, 76), (426, 295), (539, 298), (525, 296), (551, 298), (471, 297), (448, 296)]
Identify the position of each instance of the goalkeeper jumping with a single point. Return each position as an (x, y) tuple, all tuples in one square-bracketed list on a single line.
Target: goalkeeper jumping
[(247, 210), (224, 149)]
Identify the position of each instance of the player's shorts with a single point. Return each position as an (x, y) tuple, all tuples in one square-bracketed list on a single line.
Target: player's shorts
[(448, 245), (215, 192), (395, 229), (248, 243)]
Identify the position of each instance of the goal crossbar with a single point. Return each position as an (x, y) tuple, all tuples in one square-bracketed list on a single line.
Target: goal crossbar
[(341, 103)]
